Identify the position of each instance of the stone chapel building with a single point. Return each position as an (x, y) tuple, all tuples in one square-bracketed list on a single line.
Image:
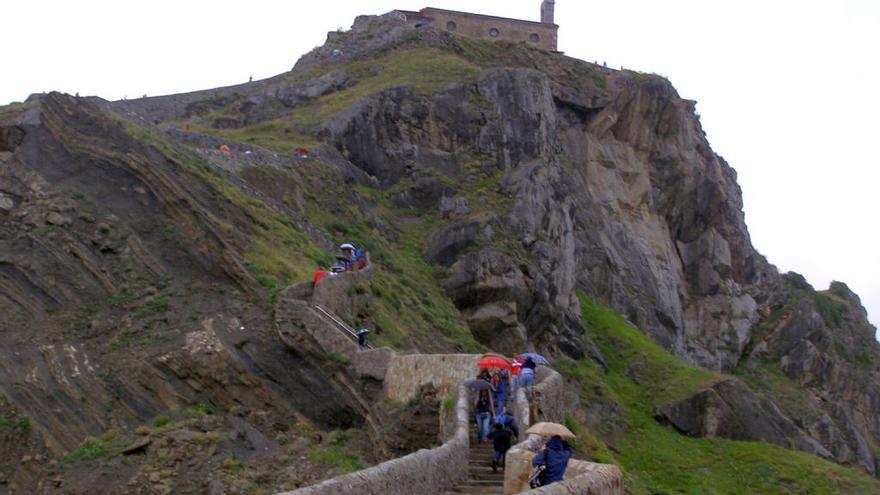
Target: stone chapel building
[(541, 34)]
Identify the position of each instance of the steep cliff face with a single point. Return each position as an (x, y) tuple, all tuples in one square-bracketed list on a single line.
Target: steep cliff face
[(491, 183), (604, 181), (608, 184)]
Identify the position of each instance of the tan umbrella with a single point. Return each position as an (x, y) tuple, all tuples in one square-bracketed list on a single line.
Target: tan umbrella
[(546, 429)]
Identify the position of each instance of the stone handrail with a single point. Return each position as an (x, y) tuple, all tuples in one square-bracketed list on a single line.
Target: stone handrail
[(580, 476), (585, 477), (425, 471)]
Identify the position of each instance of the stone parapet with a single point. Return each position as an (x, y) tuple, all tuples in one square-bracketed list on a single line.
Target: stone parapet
[(296, 320), (549, 396), (373, 363), (580, 476), (345, 295), (425, 471), (407, 373)]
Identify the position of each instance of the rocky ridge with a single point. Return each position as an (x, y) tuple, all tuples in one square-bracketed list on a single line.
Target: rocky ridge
[(529, 176)]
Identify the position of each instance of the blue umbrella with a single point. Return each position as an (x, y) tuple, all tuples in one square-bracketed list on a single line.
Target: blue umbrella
[(535, 357)]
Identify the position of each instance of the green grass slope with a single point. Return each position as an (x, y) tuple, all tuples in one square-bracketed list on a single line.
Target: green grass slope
[(658, 460)]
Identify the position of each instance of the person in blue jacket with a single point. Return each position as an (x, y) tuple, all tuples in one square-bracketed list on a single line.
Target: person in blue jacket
[(499, 394), (554, 456)]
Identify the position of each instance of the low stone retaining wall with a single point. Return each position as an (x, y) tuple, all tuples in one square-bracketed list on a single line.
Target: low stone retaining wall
[(373, 363), (296, 319), (581, 477), (406, 373), (425, 471), (346, 294)]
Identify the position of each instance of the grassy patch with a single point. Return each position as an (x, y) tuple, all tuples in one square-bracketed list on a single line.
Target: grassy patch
[(129, 338), (198, 410), (232, 465), (409, 307), (104, 447), (448, 403), (423, 70), (832, 309), (14, 108), (657, 459), (337, 358), (15, 423), (161, 421), (767, 378), (279, 252), (337, 452), (155, 306)]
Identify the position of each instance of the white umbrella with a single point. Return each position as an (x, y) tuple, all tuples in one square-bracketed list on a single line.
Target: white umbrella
[(546, 429)]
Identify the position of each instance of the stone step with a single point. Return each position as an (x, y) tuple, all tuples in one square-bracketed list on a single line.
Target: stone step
[(480, 454), (486, 473), (476, 491), (481, 483), (484, 467), (496, 480), (483, 460)]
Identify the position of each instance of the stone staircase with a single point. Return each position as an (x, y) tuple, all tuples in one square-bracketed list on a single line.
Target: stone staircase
[(481, 479)]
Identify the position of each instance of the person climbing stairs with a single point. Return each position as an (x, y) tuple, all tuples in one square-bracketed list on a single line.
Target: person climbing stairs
[(481, 480)]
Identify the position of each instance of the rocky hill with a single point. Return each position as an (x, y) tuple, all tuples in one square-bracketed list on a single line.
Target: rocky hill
[(508, 198)]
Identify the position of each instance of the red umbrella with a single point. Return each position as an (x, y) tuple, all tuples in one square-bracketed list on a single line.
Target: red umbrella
[(493, 361)]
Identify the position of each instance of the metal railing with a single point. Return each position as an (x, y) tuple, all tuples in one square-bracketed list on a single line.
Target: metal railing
[(341, 324)]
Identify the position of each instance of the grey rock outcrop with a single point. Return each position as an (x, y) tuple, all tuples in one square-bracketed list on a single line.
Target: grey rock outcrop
[(729, 409)]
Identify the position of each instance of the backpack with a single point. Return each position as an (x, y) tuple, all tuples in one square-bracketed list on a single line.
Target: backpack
[(535, 477), (360, 258)]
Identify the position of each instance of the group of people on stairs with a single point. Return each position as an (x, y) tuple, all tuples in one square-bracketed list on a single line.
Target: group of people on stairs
[(350, 258), (495, 421)]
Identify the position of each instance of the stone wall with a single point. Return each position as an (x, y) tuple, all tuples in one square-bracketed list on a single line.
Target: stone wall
[(299, 326), (541, 35), (407, 372), (580, 476), (372, 363), (425, 471), (549, 396), (345, 295)]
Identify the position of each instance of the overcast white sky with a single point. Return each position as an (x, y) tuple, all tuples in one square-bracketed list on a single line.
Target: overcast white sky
[(788, 90)]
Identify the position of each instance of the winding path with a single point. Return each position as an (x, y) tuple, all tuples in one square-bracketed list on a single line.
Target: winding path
[(460, 465)]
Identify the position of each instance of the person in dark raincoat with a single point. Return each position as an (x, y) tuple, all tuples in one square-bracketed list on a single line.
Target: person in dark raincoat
[(554, 456)]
